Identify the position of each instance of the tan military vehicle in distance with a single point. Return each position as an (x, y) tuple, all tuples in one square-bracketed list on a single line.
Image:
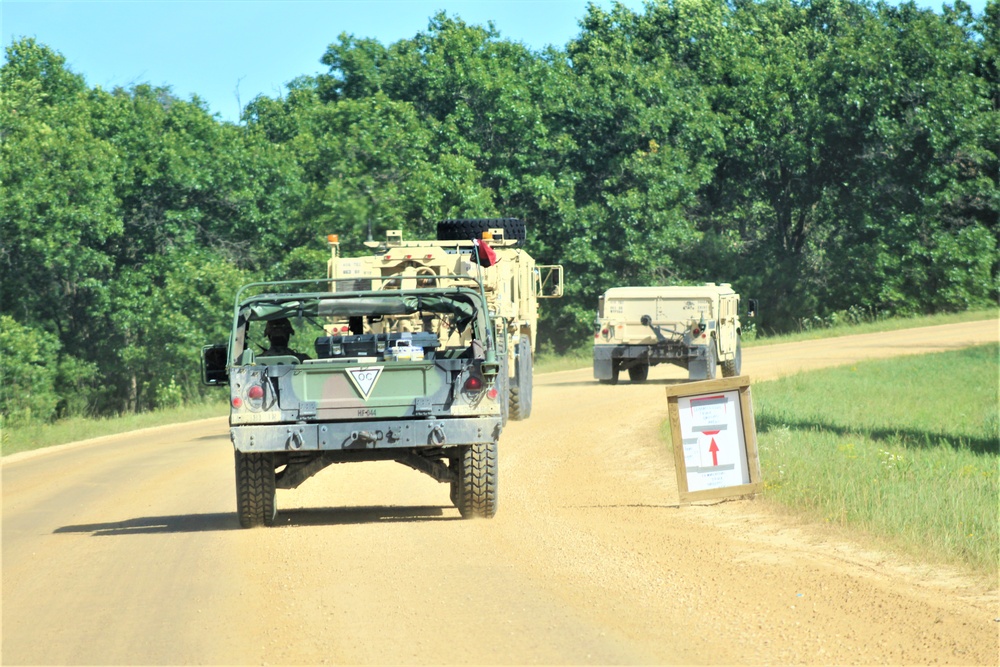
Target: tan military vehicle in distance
[(694, 327), (480, 253)]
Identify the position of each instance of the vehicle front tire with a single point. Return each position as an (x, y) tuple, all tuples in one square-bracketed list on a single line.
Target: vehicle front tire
[(255, 489), (476, 487)]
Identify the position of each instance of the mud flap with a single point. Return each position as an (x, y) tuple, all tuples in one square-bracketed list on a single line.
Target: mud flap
[(604, 365), (705, 365)]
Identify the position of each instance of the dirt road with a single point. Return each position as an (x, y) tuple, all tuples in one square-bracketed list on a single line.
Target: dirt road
[(126, 550)]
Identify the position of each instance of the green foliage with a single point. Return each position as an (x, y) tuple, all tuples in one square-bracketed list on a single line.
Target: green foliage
[(827, 158), (165, 311), (28, 368), (37, 435)]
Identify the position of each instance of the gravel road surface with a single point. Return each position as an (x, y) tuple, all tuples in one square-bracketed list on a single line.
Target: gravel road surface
[(126, 550)]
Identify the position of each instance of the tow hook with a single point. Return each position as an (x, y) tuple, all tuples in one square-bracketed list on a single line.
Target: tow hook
[(365, 438), (437, 436), (295, 441)]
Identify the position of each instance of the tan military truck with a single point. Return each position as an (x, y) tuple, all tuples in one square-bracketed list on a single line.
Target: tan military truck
[(694, 327), (467, 252)]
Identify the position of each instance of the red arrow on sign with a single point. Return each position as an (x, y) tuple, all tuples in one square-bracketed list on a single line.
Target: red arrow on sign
[(714, 448)]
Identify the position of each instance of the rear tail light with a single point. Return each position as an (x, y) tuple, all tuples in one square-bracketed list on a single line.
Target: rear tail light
[(254, 398), (474, 384)]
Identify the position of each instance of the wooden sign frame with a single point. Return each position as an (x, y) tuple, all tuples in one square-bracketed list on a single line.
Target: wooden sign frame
[(724, 392)]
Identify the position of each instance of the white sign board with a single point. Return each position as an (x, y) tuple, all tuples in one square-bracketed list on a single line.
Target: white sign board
[(714, 438), (712, 434)]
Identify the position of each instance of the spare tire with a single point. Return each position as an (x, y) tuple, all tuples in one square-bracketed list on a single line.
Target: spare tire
[(466, 229)]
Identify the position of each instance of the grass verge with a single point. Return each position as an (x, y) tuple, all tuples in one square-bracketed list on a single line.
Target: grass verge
[(37, 436), (904, 450), (582, 357), (876, 326)]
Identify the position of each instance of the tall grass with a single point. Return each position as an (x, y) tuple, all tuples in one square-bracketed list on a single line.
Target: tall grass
[(905, 450)]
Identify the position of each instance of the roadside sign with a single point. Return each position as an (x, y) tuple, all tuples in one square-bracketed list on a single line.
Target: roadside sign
[(715, 439)]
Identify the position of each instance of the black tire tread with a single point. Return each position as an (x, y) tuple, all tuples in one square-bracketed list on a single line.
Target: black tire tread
[(466, 229), (477, 488), (638, 373), (255, 489), (521, 388)]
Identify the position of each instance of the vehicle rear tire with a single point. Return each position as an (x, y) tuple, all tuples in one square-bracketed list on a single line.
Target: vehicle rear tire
[(734, 367), (477, 482), (255, 489), (466, 229), (520, 389), (638, 373)]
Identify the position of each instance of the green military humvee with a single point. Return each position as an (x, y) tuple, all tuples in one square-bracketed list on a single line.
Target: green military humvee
[(407, 375)]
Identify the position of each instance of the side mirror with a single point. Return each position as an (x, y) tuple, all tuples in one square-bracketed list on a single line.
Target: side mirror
[(751, 307), (549, 281), (214, 360)]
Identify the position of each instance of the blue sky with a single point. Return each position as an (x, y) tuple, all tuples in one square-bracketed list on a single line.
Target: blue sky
[(229, 51)]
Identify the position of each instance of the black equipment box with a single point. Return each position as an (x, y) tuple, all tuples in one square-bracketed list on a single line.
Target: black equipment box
[(372, 345)]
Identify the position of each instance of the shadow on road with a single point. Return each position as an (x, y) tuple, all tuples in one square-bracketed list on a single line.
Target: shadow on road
[(197, 523), (336, 516), (219, 436), (181, 523), (622, 383)]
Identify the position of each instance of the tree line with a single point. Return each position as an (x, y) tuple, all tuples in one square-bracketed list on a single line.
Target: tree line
[(827, 158)]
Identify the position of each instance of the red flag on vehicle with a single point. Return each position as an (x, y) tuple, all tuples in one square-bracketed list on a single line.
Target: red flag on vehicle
[(484, 255)]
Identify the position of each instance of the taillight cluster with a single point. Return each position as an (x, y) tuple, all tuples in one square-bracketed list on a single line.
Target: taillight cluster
[(606, 332), (254, 397), (474, 384)]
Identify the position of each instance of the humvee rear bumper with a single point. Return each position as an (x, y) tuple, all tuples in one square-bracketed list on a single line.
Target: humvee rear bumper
[(609, 357), (360, 435)]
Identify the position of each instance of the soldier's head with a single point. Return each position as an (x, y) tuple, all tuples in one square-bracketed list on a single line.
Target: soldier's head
[(279, 331)]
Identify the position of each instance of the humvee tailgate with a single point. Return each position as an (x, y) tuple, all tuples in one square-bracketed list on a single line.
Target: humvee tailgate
[(335, 391)]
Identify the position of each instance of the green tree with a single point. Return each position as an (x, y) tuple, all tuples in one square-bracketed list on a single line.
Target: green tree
[(58, 208), (28, 367), (162, 313)]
